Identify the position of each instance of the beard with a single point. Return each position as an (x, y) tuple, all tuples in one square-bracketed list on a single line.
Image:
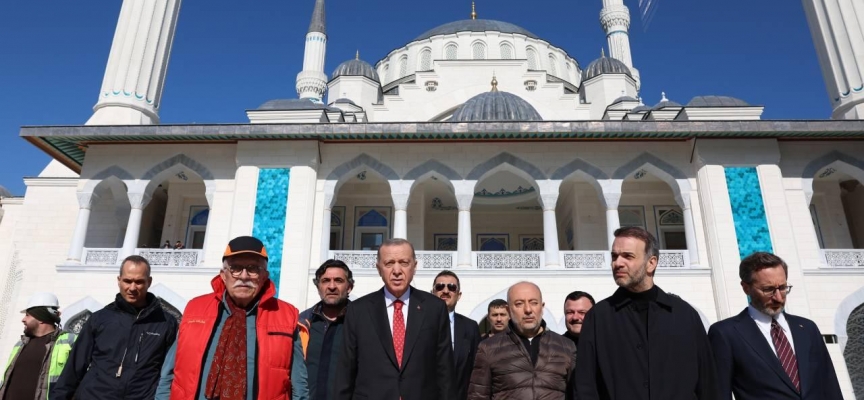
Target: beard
[(771, 312), (338, 301), (637, 278)]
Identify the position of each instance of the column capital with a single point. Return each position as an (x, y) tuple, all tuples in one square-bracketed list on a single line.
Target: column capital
[(683, 200), (210, 191), (86, 199), (400, 191), (549, 192), (464, 191), (329, 193), (139, 200), (610, 193)]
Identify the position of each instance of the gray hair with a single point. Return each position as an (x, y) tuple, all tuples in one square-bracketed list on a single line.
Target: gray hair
[(396, 242)]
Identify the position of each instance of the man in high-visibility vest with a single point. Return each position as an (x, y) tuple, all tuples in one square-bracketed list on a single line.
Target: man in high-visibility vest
[(38, 358)]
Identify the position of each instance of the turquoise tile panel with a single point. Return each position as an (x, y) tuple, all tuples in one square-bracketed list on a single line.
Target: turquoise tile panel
[(748, 210), (271, 206)]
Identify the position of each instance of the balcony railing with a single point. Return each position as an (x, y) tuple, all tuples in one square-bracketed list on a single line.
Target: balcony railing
[(511, 260), (843, 258), (156, 257)]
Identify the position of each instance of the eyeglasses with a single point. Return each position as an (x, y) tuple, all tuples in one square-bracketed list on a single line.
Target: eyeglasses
[(784, 289), (251, 269), (450, 286)]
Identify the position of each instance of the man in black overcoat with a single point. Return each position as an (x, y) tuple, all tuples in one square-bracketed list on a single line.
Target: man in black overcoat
[(642, 343)]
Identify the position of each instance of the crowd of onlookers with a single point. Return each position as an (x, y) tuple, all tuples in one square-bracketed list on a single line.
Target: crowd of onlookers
[(403, 343)]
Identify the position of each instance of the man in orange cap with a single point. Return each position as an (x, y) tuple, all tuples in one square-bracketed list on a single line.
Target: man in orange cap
[(224, 328)]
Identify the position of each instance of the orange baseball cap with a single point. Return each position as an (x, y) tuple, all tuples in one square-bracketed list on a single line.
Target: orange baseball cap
[(244, 245)]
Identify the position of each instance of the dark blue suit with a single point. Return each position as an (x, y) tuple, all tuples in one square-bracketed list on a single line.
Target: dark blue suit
[(749, 368)]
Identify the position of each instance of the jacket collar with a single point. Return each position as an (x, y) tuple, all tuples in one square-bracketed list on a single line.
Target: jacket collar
[(219, 290), (515, 336), (316, 311), (51, 336), (621, 299), (152, 304)]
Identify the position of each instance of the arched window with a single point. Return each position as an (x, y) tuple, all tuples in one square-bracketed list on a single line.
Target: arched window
[(506, 51), (531, 55), (553, 65), (478, 51), (450, 52), (425, 60), (403, 66)]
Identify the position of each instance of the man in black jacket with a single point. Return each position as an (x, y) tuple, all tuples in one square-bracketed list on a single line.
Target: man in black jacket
[(464, 332), (119, 351), (643, 343), (322, 325)]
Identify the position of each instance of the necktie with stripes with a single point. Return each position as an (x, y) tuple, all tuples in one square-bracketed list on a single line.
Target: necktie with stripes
[(785, 353)]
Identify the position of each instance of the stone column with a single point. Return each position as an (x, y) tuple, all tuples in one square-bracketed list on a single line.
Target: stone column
[(549, 199), (329, 197), (611, 196), (138, 200), (689, 230), (85, 201), (401, 192), (464, 196)]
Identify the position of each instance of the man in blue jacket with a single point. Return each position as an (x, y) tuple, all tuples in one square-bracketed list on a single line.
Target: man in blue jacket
[(120, 349)]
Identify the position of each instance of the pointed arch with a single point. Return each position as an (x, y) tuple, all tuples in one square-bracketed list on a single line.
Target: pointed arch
[(676, 179), (344, 170), (844, 311), (850, 165), (579, 165), (179, 159), (77, 312), (105, 174), (505, 158), (432, 166), (171, 297)]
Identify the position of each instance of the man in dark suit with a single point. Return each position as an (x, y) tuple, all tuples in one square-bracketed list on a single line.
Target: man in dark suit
[(396, 342), (463, 330), (765, 353)]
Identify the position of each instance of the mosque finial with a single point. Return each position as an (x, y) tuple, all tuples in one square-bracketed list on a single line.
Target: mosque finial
[(473, 11), (602, 52), (663, 96), (640, 101), (494, 83), (357, 56)]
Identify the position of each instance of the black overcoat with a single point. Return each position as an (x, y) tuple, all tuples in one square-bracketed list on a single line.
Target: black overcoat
[(619, 360)]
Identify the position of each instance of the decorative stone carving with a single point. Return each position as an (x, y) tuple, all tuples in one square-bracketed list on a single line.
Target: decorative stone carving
[(584, 260), (515, 260), (435, 260), (139, 200), (86, 199)]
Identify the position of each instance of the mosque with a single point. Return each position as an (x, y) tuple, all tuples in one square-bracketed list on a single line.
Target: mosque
[(499, 155)]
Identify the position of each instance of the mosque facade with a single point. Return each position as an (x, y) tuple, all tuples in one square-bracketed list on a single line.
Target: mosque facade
[(497, 154)]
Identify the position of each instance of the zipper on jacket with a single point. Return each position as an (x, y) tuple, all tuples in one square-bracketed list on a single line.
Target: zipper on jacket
[(120, 370), (140, 338)]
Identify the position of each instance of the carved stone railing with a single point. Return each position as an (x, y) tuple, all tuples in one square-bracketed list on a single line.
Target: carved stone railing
[(843, 258), (498, 260), (674, 259), (100, 256), (355, 259), (171, 258), (436, 259), (585, 259)]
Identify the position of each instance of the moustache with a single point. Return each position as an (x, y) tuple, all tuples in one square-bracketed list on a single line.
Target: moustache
[(247, 284)]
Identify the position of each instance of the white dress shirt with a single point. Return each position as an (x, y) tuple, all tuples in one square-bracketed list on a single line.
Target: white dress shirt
[(453, 329), (763, 322), (389, 298)]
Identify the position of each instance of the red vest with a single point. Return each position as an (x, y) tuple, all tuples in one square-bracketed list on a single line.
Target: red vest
[(275, 323)]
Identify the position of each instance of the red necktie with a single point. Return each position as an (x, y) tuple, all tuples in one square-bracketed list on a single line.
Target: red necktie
[(785, 354), (398, 331)]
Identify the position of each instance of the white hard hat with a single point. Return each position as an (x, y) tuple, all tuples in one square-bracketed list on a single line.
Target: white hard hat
[(42, 299)]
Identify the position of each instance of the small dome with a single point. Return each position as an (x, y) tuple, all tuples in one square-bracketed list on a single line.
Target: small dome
[(292, 104), (496, 106), (642, 108), (717, 101), (344, 101), (605, 65), (666, 103), (4, 192), (625, 98), (475, 25), (355, 67)]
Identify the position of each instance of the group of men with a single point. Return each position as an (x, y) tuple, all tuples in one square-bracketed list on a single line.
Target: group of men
[(400, 342)]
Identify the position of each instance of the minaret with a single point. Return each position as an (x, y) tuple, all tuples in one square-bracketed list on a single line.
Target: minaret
[(135, 76), (839, 38), (312, 81), (615, 19)]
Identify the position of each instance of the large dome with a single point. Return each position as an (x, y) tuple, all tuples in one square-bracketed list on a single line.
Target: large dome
[(605, 65), (495, 106), (475, 25), (355, 67), (4, 192)]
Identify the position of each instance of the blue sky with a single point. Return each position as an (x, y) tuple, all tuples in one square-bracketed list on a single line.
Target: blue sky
[(229, 56)]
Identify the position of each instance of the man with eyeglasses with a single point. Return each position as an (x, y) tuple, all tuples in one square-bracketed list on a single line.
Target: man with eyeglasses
[(463, 330), (764, 352), (238, 342)]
